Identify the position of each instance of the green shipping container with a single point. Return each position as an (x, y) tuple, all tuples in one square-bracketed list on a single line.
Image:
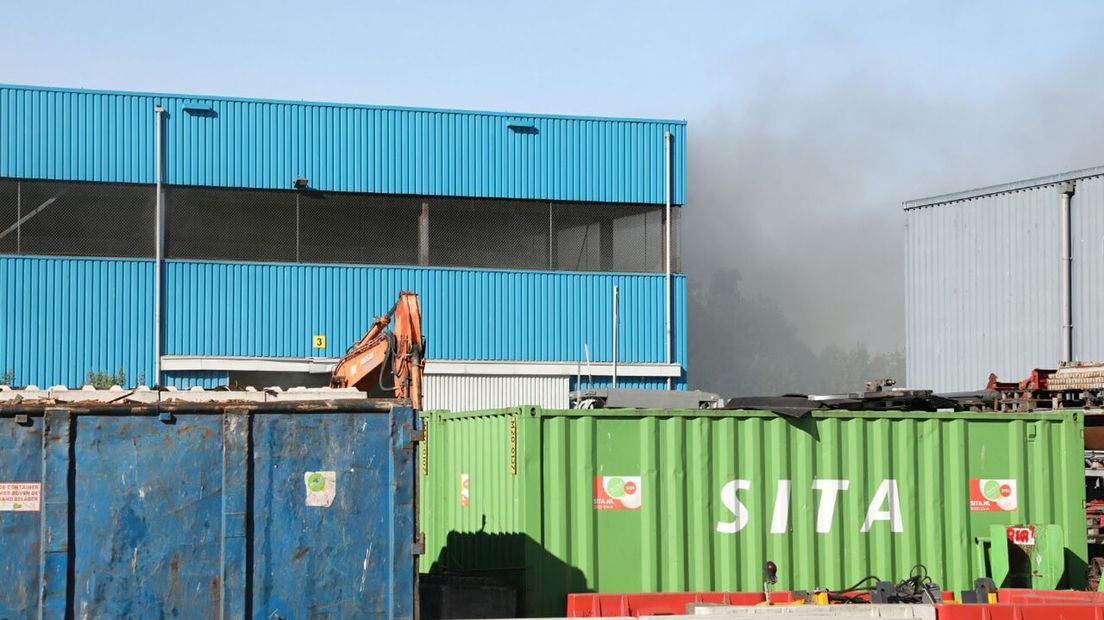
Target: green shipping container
[(667, 501)]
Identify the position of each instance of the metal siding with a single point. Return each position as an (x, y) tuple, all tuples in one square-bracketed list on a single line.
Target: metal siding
[(982, 289), (643, 383), (20, 461), (67, 316), (147, 541), (63, 317), (1087, 232), (530, 476), (226, 309), (206, 379), (474, 392), (108, 136)]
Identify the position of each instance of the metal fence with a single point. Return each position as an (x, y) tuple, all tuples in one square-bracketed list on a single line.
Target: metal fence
[(101, 219)]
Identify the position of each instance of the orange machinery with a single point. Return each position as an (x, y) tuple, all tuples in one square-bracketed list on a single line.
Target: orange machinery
[(388, 361)]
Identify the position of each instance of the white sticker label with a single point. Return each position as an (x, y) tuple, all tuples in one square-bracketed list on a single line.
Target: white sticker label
[(321, 487), (20, 496), (465, 491), (617, 493)]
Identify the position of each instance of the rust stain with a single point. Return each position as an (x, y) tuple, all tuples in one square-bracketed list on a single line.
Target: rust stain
[(300, 552), (174, 577)]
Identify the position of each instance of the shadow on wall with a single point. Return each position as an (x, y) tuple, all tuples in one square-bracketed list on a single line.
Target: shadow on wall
[(483, 565)]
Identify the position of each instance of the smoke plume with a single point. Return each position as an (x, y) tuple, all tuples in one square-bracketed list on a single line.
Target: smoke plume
[(794, 232)]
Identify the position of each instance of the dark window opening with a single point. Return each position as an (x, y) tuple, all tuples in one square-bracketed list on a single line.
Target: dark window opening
[(110, 219)]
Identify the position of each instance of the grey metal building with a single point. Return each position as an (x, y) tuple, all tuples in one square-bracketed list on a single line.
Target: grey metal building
[(1004, 279)]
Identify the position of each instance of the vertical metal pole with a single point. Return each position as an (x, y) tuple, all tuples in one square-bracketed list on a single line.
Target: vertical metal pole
[(1067, 276), (616, 302), (159, 249), (667, 251), (18, 217), (590, 371), (55, 514), (297, 227), (551, 234), (235, 552), (423, 235)]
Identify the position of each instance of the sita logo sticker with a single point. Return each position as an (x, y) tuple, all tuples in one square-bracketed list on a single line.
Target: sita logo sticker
[(992, 495), (617, 493)]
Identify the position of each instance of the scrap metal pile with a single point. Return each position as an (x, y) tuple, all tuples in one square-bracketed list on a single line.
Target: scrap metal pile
[(1071, 385)]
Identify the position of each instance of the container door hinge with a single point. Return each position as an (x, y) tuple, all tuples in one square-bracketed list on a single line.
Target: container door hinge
[(22, 419), (414, 435), (419, 544)]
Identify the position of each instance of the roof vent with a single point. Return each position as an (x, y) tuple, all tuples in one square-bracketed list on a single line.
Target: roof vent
[(522, 127)]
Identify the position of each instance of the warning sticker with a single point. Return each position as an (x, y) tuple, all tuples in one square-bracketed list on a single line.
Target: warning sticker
[(321, 487), (20, 496), (465, 492), (992, 495), (617, 493), (1021, 534)]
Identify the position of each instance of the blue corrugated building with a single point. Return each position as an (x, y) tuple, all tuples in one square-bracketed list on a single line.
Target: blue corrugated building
[(282, 228)]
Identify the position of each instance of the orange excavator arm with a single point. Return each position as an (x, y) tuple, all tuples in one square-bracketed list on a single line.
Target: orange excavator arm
[(388, 361)]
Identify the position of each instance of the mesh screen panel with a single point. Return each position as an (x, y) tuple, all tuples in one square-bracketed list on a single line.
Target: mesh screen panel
[(9, 214), (77, 219), (355, 228), (489, 233), (104, 219), (230, 224), (599, 237)]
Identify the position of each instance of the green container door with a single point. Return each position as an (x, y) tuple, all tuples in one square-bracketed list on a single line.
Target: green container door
[(653, 501)]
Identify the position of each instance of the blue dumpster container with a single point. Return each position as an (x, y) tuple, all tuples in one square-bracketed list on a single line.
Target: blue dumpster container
[(205, 510)]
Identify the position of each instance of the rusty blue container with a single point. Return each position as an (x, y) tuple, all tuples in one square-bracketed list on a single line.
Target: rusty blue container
[(205, 510)]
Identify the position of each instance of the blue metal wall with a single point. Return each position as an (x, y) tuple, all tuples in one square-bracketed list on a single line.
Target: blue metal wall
[(206, 379), (63, 317), (644, 383), (48, 133), (72, 315)]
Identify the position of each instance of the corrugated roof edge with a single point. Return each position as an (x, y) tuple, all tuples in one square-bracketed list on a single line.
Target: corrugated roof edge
[(676, 274), (1005, 187), (329, 104), (534, 411)]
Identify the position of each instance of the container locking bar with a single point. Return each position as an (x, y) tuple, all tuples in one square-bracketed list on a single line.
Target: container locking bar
[(236, 473)]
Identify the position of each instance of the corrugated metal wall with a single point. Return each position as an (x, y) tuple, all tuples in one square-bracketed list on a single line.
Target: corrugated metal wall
[(1087, 224), (206, 379), (254, 309), (74, 315), (983, 288), (643, 383), (48, 133), (63, 317), (473, 392)]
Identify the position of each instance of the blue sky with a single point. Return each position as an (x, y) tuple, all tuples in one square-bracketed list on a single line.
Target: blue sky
[(810, 122), (607, 58)]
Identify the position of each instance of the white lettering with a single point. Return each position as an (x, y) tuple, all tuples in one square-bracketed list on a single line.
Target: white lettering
[(829, 491), (886, 491), (735, 506), (780, 522), (884, 506)]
